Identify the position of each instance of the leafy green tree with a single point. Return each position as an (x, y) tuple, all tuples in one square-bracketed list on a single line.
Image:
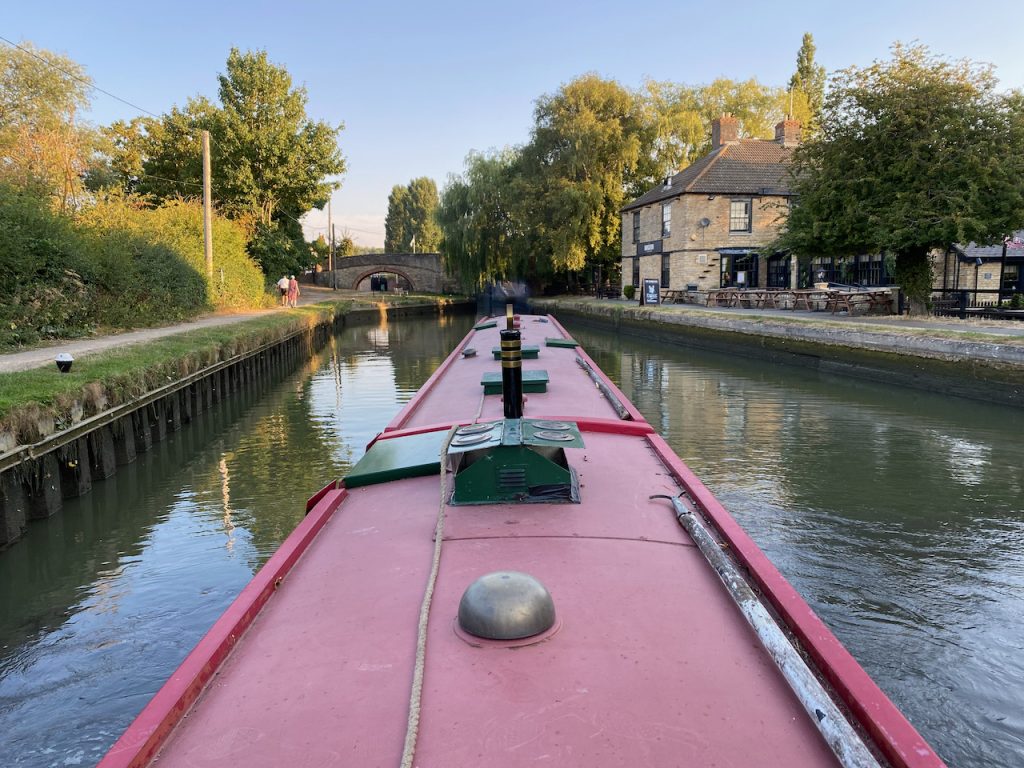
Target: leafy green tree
[(44, 149), (271, 157), (270, 162), (120, 156), (411, 222), (421, 215), (321, 251), (808, 87), (584, 152), (345, 246), (397, 234), (915, 153)]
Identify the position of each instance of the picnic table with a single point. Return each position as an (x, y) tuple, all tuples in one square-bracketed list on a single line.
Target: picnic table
[(723, 297), (811, 299), (850, 300)]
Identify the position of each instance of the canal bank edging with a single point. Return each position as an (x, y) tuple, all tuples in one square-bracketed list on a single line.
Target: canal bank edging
[(978, 369), (36, 478)]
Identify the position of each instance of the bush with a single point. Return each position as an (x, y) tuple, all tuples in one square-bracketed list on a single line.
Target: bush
[(177, 227), (48, 291), (1017, 301), (119, 264), (629, 291)]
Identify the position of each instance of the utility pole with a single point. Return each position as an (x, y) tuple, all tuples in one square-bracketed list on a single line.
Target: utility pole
[(330, 248), (334, 239), (207, 214)]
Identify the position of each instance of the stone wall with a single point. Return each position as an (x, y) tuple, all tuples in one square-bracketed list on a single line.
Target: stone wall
[(423, 270), (693, 248)]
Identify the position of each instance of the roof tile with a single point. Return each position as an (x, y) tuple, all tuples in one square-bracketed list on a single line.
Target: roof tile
[(749, 167)]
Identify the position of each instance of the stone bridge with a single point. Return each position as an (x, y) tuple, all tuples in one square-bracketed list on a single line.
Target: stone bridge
[(422, 270)]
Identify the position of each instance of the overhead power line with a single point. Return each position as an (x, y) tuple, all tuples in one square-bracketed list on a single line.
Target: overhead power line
[(82, 80)]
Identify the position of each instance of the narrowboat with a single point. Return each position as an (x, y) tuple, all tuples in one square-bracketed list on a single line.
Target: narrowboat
[(519, 571)]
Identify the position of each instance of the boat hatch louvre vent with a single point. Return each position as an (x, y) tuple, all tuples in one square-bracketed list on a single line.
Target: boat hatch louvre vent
[(506, 605), (512, 477), (514, 461)]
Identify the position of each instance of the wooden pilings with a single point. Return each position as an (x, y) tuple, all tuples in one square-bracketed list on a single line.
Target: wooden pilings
[(35, 486)]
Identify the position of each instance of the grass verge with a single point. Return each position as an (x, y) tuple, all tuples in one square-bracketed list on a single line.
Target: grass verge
[(32, 400)]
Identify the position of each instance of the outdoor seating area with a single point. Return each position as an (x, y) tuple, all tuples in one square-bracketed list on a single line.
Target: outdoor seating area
[(807, 299)]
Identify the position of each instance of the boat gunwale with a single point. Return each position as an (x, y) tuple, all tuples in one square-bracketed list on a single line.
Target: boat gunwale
[(887, 726), (151, 728)]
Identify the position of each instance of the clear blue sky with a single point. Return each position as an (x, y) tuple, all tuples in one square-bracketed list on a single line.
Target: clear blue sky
[(418, 85)]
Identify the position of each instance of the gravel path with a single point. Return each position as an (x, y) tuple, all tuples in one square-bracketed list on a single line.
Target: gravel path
[(40, 356)]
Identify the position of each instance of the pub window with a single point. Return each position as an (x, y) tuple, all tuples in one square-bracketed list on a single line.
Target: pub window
[(666, 219), (666, 268), (636, 271), (636, 226), (778, 271), (739, 215)]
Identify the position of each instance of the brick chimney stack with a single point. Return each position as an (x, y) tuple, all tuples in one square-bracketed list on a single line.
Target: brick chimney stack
[(787, 133), (724, 130)]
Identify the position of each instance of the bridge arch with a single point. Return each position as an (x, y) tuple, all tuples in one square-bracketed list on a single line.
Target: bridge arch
[(390, 270), (422, 271)]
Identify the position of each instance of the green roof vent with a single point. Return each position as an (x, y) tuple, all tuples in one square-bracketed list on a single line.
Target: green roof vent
[(514, 461)]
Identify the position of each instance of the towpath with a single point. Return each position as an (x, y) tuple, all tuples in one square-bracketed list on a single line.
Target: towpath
[(1009, 329), (40, 356)]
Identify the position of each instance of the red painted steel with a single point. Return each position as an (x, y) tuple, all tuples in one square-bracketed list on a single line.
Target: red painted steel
[(140, 743), (413, 405), (633, 412), (651, 663), (899, 740), (315, 498)]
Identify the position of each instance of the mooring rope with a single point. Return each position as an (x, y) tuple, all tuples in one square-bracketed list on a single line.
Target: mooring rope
[(413, 725)]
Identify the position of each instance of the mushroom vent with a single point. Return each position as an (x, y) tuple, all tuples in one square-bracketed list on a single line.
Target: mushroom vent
[(506, 605)]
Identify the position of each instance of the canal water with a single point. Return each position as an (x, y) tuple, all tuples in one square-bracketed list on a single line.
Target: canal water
[(899, 516)]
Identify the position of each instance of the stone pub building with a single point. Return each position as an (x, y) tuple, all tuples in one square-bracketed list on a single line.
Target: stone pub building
[(707, 226)]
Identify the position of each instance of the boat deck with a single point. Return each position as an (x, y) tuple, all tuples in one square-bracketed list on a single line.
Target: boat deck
[(650, 663)]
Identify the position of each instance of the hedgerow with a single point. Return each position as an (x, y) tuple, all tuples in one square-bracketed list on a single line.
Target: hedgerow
[(117, 264)]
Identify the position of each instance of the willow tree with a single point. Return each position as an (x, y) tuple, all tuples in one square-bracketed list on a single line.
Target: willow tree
[(584, 152), (480, 216), (915, 153)]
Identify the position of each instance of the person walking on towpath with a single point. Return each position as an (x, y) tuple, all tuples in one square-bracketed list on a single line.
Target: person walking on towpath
[(293, 292), (282, 287)]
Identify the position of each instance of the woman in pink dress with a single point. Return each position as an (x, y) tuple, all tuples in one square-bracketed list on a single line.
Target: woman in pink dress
[(293, 292)]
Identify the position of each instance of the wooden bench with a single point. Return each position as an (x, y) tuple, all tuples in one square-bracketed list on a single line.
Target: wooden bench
[(672, 296)]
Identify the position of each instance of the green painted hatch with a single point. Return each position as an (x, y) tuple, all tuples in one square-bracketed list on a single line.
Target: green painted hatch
[(514, 461), (398, 458), (533, 381), (561, 342), (485, 324), (530, 352)]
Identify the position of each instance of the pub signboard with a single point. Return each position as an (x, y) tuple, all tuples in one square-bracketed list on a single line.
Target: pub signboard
[(651, 293)]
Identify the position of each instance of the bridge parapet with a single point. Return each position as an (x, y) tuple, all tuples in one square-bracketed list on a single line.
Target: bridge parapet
[(423, 270)]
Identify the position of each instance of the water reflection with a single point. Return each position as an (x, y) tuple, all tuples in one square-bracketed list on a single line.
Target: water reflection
[(899, 516), (101, 602)]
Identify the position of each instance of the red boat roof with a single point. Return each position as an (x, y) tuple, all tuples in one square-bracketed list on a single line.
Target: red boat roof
[(650, 662)]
